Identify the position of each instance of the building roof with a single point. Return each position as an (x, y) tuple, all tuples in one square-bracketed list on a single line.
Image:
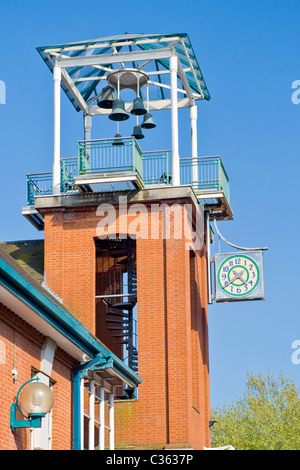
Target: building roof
[(29, 255), (86, 65), (20, 292)]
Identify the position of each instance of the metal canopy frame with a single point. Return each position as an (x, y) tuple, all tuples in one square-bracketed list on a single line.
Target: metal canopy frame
[(86, 65)]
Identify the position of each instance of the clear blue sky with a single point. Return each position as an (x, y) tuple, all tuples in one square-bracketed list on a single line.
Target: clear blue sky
[(248, 53)]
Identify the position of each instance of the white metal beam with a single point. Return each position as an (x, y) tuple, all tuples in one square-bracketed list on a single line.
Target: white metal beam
[(185, 82), (111, 421), (114, 58), (163, 85), (193, 118), (56, 143), (70, 85), (109, 44), (154, 105), (174, 121), (192, 67), (101, 419), (91, 414), (87, 123)]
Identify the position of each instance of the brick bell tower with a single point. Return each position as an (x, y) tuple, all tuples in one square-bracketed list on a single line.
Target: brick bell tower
[(127, 234)]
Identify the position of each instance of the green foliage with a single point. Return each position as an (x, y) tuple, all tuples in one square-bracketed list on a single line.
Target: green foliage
[(266, 418)]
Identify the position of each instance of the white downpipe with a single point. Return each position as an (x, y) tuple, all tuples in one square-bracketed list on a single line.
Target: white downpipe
[(56, 146), (194, 144), (111, 422), (87, 127), (102, 419), (174, 120), (87, 122), (209, 296), (92, 415)]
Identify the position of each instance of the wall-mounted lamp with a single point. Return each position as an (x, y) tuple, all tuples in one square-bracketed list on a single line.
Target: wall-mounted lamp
[(34, 398)]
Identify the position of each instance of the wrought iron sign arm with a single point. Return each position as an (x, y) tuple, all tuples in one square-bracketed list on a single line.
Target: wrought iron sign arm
[(236, 246)]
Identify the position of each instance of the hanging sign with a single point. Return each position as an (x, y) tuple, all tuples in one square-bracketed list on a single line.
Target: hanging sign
[(239, 276)]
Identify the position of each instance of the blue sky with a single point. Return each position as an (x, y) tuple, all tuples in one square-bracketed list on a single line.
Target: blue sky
[(248, 55)]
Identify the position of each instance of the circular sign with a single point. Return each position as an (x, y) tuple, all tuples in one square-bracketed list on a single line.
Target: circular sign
[(238, 275)]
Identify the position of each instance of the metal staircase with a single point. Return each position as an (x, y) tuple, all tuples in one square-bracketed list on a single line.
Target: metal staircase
[(120, 315)]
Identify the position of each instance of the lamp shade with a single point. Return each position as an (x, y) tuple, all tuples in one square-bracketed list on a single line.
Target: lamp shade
[(36, 399)]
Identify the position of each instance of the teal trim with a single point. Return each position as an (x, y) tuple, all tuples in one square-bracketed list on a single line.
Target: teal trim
[(98, 363), (76, 409), (74, 331), (47, 309), (56, 315), (103, 156), (33, 422)]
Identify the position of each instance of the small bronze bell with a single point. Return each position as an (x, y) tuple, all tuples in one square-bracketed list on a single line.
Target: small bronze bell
[(107, 98), (148, 122), (137, 132), (118, 111), (138, 107)]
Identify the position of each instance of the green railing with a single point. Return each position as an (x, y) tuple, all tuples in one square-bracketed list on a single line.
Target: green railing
[(40, 184), (109, 155), (156, 167), (204, 174)]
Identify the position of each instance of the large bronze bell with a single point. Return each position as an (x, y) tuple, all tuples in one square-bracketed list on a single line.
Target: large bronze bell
[(148, 122), (107, 98), (118, 111), (137, 132), (138, 107)]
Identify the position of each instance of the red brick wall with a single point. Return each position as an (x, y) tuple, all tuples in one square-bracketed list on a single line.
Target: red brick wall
[(70, 261), (173, 405), (20, 346), (172, 409)]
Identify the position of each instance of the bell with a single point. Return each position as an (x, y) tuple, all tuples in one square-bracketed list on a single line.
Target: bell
[(137, 132), (118, 111), (118, 140), (108, 98), (138, 107), (148, 122)]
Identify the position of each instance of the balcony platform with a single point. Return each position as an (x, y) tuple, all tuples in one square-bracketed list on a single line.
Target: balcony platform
[(103, 168), (112, 181), (217, 204)]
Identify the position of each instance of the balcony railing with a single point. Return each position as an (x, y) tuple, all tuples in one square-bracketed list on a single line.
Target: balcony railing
[(156, 167), (40, 184), (206, 175), (109, 155)]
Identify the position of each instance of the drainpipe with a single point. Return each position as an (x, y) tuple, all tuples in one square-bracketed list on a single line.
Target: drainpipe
[(77, 409), (209, 297), (78, 374), (87, 127)]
